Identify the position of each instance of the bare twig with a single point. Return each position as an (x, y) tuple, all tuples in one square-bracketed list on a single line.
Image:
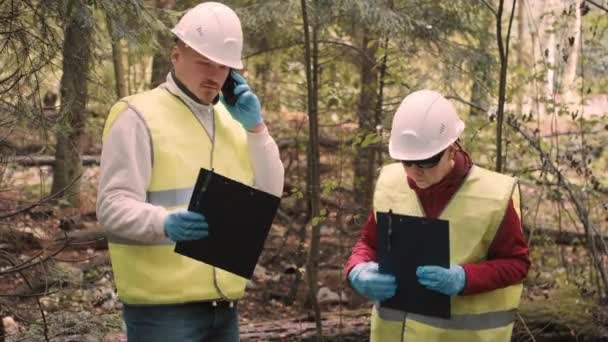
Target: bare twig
[(39, 304), (523, 322), (30, 263), (40, 202), (581, 210), (597, 5), (24, 295), (489, 7)]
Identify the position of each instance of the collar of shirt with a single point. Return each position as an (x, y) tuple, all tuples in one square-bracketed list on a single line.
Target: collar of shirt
[(436, 197), (202, 111)]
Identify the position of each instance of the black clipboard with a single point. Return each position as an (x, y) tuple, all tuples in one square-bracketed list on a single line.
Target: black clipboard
[(404, 243), (239, 218)]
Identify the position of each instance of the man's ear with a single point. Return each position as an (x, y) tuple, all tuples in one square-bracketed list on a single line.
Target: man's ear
[(175, 54)]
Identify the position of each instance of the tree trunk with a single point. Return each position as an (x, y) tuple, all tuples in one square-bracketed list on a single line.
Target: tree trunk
[(481, 71), (263, 73), (314, 181), (380, 104), (117, 59), (503, 52), (522, 58), (365, 158), (549, 53), (161, 64), (76, 58), (572, 44), (537, 50)]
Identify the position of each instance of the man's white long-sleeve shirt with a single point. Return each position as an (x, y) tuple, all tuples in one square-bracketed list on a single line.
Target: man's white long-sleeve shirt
[(126, 170)]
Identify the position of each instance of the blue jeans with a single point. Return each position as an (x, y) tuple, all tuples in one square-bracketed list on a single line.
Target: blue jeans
[(192, 322)]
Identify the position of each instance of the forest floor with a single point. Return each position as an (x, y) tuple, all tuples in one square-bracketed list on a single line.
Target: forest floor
[(77, 295)]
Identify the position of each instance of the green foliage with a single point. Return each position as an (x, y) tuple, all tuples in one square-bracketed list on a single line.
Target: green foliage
[(595, 59), (317, 220), (131, 20), (328, 186), (365, 140), (297, 193)]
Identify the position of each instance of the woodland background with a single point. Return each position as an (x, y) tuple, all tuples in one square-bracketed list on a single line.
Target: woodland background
[(530, 78)]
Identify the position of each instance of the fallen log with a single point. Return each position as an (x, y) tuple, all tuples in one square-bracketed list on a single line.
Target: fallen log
[(13, 240), (544, 235), (92, 237), (354, 326), (31, 161)]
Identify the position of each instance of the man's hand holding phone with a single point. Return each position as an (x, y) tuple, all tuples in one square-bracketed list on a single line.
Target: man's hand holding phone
[(246, 109)]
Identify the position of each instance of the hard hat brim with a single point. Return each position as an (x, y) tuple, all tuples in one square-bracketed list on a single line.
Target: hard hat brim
[(238, 65), (422, 155)]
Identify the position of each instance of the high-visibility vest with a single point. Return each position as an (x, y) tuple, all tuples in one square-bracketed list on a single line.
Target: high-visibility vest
[(152, 273), (475, 214)]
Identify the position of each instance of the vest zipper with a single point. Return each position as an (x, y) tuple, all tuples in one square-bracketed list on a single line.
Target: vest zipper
[(211, 136), (212, 139)]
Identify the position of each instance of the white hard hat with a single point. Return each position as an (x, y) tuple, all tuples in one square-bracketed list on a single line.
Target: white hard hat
[(214, 31), (425, 124)]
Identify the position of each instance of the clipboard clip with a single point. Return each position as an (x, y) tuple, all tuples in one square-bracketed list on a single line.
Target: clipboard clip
[(204, 187), (207, 180)]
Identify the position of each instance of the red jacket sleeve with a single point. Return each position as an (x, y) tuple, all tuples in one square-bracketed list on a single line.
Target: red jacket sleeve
[(365, 248), (508, 261)]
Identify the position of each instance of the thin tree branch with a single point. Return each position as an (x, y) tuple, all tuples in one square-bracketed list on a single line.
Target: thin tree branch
[(30, 263), (489, 7), (598, 5), (273, 49), (581, 210), (521, 319), (40, 202), (472, 105), (509, 29)]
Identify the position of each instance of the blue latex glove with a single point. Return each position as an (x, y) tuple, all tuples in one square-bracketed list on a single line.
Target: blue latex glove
[(247, 110), (370, 283), (184, 225), (447, 281)]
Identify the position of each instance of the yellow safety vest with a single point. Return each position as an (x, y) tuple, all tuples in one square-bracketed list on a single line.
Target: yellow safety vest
[(475, 214), (152, 273)]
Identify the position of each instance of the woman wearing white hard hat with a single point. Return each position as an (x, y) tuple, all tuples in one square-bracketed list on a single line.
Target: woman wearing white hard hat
[(434, 177), (155, 143)]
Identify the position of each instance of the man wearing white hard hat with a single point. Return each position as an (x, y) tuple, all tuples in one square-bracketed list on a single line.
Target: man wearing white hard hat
[(434, 177), (154, 144)]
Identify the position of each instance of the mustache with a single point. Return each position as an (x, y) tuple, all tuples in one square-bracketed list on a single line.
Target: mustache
[(210, 84)]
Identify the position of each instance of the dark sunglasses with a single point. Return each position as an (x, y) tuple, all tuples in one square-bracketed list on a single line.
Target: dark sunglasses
[(428, 163)]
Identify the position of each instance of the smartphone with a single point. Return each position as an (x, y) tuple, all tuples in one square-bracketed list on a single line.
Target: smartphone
[(228, 90)]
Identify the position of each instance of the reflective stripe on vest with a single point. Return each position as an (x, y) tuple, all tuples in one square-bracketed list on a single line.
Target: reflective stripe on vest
[(165, 198), (117, 239), (152, 273), (488, 320), (475, 212), (170, 198)]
